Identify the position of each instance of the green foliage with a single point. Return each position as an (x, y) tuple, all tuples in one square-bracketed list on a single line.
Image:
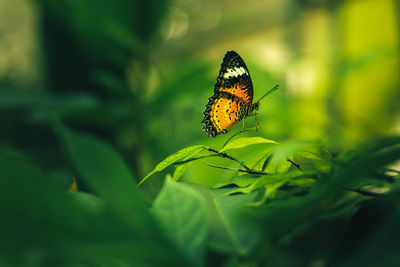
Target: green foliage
[(182, 211), (107, 175), (101, 92), (291, 200), (265, 211), (42, 224), (186, 153)]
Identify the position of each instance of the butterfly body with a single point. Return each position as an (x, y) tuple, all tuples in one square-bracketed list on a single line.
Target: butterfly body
[(233, 97)]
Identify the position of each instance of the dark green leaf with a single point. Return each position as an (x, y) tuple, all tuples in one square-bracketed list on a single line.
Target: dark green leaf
[(182, 211), (108, 176)]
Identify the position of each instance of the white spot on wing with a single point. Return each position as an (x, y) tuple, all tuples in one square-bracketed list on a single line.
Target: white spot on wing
[(235, 72)]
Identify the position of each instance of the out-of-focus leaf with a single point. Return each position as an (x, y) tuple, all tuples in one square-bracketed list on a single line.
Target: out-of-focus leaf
[(269, 192), (182, 211), (302, 181), (174, 158), (43, 223), (258, 162), (229, 231), (241, 181), (45, 102), (270, 183), (232, 211), (380, 245), (108, 176), (325, 191), (93, 203), (246, 141), (278, 162)]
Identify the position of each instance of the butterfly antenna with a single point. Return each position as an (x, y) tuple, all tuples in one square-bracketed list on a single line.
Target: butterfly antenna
[(270, 91)]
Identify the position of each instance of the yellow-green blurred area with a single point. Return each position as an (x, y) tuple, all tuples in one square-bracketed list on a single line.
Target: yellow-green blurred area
[(140, 73), (143, 80), (99, 92)]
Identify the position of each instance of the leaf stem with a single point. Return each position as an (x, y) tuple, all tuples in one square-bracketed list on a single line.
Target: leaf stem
[(232, 169), (224, 155), (295, 164), (192, 159)]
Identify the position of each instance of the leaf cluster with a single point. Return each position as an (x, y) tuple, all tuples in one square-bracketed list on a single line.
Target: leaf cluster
[(291, 204)]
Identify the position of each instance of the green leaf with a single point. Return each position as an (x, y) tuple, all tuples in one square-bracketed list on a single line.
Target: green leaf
[(270, 181), (229, 230), (269, 192), (246, 141), (182, 212), (234, 135), (241, 181), (326, 191), (89, 202), (258, 162), (68, 228), (231, 210), (107, 175), (278, 161), (188, 151), (179, 170)]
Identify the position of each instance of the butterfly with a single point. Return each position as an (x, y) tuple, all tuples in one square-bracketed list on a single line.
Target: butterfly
[(233, 97)]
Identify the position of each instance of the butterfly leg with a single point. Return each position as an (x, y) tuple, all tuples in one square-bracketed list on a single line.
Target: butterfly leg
[(242, 126), (257, 124)]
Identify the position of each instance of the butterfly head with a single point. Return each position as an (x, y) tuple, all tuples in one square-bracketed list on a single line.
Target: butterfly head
[(252, 110)]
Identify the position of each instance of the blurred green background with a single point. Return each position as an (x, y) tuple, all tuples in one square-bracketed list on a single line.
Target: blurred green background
[(138, 75)]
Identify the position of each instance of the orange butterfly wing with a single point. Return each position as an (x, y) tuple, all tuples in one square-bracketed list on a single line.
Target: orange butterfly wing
[(240, 90), (223, 112)]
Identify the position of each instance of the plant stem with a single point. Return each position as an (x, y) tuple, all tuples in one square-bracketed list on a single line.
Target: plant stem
[(295, 164), (224, 155), (239, 170)]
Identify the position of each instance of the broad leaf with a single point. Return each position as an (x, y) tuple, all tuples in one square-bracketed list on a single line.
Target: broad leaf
[(226, 215), (68, 228), (108, 176), (258, 162), (181, 168), (188, 151), (182, 212)]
